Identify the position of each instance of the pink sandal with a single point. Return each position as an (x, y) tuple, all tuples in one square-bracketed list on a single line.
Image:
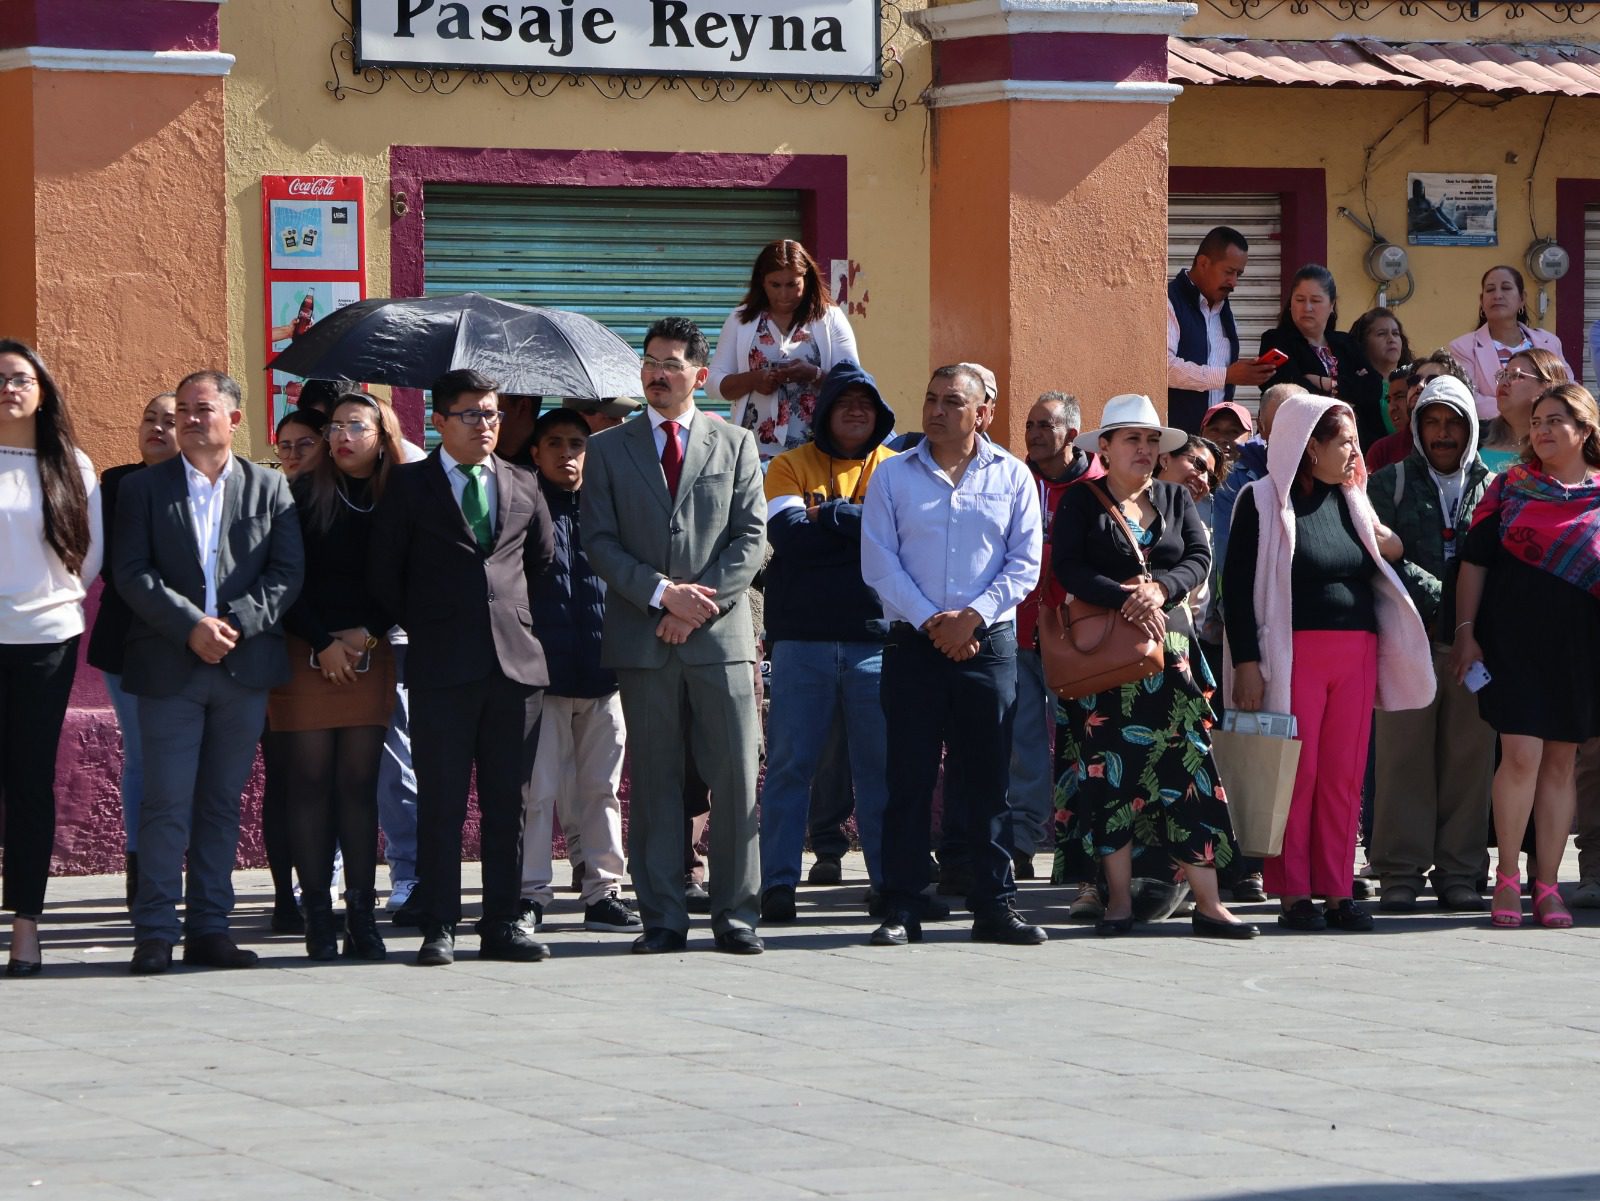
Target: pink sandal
[(1560, 918), (1511, 918)]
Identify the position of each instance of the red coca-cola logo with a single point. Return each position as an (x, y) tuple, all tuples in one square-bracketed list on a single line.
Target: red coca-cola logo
[(311, 187)]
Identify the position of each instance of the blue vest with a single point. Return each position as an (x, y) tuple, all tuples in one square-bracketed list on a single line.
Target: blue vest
[(1185, 406)]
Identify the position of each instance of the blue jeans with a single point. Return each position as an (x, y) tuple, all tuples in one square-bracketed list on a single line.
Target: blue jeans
[(397, 783), (810, 681), (127, 711), (1033, 791)]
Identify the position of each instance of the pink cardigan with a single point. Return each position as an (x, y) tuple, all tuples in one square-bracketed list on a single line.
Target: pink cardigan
[(1475, 351), (1405, 656)]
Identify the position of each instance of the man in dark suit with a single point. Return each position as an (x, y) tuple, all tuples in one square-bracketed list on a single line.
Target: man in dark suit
[(208, 558), (674, 522), (455, 540)]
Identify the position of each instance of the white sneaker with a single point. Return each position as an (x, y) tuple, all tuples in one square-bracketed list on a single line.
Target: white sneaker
[(399, 894)]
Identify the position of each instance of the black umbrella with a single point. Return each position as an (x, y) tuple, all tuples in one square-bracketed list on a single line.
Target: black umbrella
[(409, 342)]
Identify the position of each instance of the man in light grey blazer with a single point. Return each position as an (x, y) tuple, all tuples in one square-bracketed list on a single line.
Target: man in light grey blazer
[(674, 521), (208, 556)]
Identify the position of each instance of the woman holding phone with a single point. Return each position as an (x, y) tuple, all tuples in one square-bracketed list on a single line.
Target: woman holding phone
[(333, 713)]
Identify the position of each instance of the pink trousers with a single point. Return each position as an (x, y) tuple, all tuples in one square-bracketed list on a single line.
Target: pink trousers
[(1330, 695)]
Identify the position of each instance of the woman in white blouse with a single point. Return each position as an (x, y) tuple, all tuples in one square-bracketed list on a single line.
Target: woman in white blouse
[(50, 543), (776, 347)]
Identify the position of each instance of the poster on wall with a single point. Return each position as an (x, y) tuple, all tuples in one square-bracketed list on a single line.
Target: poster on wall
[(313, 231), (1451, 210)]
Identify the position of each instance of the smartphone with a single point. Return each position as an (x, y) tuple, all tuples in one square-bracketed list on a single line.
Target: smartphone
[(1477, 676), (363, 664), (1273, 358)]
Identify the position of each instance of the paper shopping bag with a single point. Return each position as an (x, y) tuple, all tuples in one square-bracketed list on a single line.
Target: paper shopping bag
[(1258, 776)]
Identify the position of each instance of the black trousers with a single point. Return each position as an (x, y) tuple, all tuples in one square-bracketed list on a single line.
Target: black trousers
[(492, 725), (35, 682), (931, 704), (833, 797)]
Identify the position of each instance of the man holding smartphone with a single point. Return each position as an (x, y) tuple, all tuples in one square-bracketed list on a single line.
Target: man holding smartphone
[(1203, 363)]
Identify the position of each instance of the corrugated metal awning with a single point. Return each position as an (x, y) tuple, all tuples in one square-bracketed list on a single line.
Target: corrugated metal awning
[(1513, 68)]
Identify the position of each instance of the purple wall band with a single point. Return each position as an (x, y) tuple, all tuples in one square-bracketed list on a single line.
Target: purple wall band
[(109, 24), (1090, 57)]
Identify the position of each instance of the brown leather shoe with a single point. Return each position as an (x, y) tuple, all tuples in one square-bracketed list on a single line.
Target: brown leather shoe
[(216, 950)]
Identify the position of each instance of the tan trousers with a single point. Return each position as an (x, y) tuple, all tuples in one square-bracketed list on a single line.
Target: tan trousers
[(1434, 769), (575, 777)]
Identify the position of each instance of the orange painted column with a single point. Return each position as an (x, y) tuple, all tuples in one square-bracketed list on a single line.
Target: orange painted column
[(1049, 196)]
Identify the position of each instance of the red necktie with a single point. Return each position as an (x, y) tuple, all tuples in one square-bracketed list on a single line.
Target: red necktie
[(672, 457)]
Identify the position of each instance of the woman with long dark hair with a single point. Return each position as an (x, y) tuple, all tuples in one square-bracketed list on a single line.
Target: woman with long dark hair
[(332, 715), (50, 544), (1322, 360), (158, 442), (1528, 612), (776, 347)]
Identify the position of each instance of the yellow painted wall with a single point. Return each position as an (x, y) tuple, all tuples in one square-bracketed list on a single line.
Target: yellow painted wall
[(281, 119), (1301, 127)]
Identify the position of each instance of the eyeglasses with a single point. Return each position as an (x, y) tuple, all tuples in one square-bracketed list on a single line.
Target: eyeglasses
[(296, 449), (16, 383), (476, 417), (672, 365), (1510, 375), (357, 430)]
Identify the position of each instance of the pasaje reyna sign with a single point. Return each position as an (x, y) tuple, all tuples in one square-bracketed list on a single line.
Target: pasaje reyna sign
[(803, 39)]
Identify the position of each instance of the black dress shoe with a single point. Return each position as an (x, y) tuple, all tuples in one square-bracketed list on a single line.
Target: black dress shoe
[(1347, 915), (511, 943), (1209, 927), (408, 917), (216, 950), (826, 870), (1303, 916), (151, 957), (897, 931), (438, 947), (739, 940), (777, 904), (1111, 927), (659, 941), (695, 897), (24, 967), (1005, 925)]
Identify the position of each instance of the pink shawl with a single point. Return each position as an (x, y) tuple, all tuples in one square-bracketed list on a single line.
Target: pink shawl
[(1405, 656)]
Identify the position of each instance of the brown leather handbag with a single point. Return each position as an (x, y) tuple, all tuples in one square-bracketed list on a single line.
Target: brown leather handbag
[(1087, 648)]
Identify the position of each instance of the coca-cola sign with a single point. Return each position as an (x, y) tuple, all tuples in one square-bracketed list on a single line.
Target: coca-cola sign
[(323, 187), (794, 39)]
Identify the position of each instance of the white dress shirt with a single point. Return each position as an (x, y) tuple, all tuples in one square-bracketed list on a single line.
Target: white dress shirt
[(40, 600), (458, 484), (1211, 376), (205, 515), (684, 420)]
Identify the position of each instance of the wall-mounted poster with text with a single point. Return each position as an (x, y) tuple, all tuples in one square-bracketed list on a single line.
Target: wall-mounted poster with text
[(1451, 210), (314, 247)]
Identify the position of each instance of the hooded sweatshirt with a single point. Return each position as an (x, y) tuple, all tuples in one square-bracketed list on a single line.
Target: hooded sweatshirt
[(814, 589), (1432, 511), (1405, 659)]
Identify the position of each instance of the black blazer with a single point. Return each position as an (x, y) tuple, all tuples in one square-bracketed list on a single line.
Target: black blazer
[(114, 618), (1090, 554), (1360, 385), (466, 612), (260, 568)]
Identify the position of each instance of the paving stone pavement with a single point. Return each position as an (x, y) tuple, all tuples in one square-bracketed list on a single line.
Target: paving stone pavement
[(1432, 1060)]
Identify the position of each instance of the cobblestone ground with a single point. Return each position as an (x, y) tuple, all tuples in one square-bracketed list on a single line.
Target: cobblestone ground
[(1432, 1060)]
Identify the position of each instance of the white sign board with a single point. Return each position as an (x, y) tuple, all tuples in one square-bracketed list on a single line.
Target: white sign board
[(793, 39)]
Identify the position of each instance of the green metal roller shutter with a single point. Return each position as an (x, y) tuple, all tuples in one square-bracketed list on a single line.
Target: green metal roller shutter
[(623, 256)]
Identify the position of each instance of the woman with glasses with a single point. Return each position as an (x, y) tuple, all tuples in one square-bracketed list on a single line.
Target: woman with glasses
[(333, 713), (299, 441), (50, 544), (1525, 377), (777, 345), (1530, 566), (158, 442), (1502, 332)]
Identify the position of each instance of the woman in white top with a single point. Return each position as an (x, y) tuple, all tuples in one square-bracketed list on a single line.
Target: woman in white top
[(50, 543), (1502, 331), (776, 347)]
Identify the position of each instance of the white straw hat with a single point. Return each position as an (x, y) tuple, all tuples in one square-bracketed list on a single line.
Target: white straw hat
[(1126, 412)]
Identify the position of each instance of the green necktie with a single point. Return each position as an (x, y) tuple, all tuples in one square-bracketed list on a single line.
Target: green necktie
[(475, 505)]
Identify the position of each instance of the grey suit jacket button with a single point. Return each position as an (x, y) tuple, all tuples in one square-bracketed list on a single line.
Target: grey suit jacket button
[(491, 598)]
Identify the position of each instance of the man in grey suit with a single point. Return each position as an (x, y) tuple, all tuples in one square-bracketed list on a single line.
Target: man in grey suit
[(674, 521), (208, 556)]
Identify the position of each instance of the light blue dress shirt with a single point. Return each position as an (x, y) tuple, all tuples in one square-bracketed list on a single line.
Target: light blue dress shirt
[(928, 546)]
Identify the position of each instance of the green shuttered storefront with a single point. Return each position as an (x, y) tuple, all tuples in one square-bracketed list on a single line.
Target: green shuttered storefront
[(623, 256)]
